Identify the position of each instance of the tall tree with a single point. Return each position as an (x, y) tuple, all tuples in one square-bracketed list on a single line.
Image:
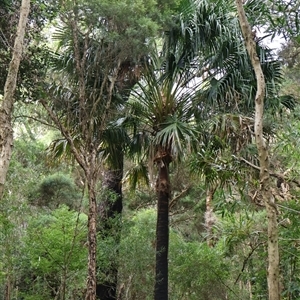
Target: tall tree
[(161, 109), (7, 103), (101, 48), (209, 39), (168, 107), (265, 184)]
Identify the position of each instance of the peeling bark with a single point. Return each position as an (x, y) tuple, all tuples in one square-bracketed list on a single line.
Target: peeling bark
[(109, 212), (269, 201), (7, 103)]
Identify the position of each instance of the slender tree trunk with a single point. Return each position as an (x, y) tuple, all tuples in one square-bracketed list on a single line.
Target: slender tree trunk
[(209, 214), (273, 252), (7, 103), (8, 288), (89, 163), (109, 214), (92, 240), (162, 232)]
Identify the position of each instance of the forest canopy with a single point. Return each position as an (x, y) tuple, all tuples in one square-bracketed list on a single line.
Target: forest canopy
[(149, 149)]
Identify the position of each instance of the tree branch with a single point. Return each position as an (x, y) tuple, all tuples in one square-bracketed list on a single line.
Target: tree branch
[(37, 120), (78, 156), (180, 195), (276, 175)]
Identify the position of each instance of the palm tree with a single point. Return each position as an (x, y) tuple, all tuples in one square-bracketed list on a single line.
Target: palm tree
[(162, 107), (168, 102), (110, 204), (205, 40), (167, 105)]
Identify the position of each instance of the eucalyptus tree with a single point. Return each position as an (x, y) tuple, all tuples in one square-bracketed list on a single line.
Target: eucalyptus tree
[(7, 103), (20, 63), (255, 77), (263, 154), (101, 47)]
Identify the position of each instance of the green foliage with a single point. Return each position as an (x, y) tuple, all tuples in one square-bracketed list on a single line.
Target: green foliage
[(28, 154), (55, 190), (242, 236), (47, 257), (27, 167), (32, 66), (13, 218), (138, 242), (56, 254), (194, 268), (289, 250), (283, 18)]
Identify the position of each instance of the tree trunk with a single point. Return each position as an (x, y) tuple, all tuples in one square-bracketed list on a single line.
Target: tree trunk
[(273, 252), (89, 163), (8, 288), (7, 103), (111, 205), (209, 215), (162, 232), (109, 214), (92, 240)]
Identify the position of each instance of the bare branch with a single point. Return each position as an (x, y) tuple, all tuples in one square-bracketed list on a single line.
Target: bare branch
[(78, 156), (180, 195), (37, 120)]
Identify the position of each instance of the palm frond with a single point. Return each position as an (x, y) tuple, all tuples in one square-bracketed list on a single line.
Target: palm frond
[(179, 136), (136, 174), (59, 150)]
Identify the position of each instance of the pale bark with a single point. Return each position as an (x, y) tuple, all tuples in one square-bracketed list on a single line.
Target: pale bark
[(273, 253), (92, 238), (209, 214), (7, 103)]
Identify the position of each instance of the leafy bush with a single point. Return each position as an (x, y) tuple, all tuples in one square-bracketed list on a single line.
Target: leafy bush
[(56, 255), (193, 267), (55, 190)]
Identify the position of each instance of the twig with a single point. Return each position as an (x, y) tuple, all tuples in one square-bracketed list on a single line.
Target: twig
[(37, 120), (276, 175), (246, 260), (180, 195)]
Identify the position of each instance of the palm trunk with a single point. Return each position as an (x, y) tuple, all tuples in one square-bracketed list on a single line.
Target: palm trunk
[(109, 212), (162, 232), (7, 103), (92, 241), (273, 249)]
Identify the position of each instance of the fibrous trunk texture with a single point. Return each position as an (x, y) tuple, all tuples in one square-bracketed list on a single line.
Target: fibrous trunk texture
[(269, 201), (7, 103), (162, 232), (109, 214)]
